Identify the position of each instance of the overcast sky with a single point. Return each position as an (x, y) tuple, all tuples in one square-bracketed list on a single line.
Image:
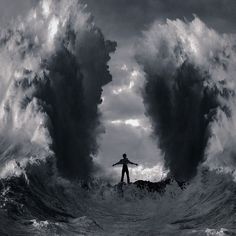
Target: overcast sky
[(127, 128)]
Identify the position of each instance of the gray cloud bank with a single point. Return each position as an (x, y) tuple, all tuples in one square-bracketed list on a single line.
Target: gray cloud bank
[(124, 18)]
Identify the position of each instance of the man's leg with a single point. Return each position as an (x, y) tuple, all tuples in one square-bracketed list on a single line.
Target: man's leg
[(122, 176), (127, 174)]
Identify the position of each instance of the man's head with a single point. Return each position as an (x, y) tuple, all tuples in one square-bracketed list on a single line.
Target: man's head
[(124, 156)]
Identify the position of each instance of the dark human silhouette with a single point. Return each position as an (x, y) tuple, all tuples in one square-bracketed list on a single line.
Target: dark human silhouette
[(125, 161)]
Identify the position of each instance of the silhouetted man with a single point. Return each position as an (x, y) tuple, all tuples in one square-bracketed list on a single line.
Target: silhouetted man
[(125, 161)]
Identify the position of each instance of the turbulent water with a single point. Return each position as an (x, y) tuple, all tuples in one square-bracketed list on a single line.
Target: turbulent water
[(205, 207), (53, 67)]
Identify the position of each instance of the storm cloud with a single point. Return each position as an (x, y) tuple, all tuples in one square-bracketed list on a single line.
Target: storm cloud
[(127, 18)]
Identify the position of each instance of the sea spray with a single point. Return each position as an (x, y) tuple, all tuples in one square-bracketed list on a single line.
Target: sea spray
[(189, 93), (53, 67)]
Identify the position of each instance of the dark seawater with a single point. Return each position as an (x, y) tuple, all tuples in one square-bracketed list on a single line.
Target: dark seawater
[(56, 206)]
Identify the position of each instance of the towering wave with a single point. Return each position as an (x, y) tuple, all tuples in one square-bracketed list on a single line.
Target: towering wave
[(189, 94), (53, 67)]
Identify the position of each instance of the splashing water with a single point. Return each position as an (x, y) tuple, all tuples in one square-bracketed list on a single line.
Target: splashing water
[(189, 94), (54, 66)]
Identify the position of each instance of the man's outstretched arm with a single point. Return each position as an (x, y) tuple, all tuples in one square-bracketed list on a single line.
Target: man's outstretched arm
[(130, 162), (118, 163)]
